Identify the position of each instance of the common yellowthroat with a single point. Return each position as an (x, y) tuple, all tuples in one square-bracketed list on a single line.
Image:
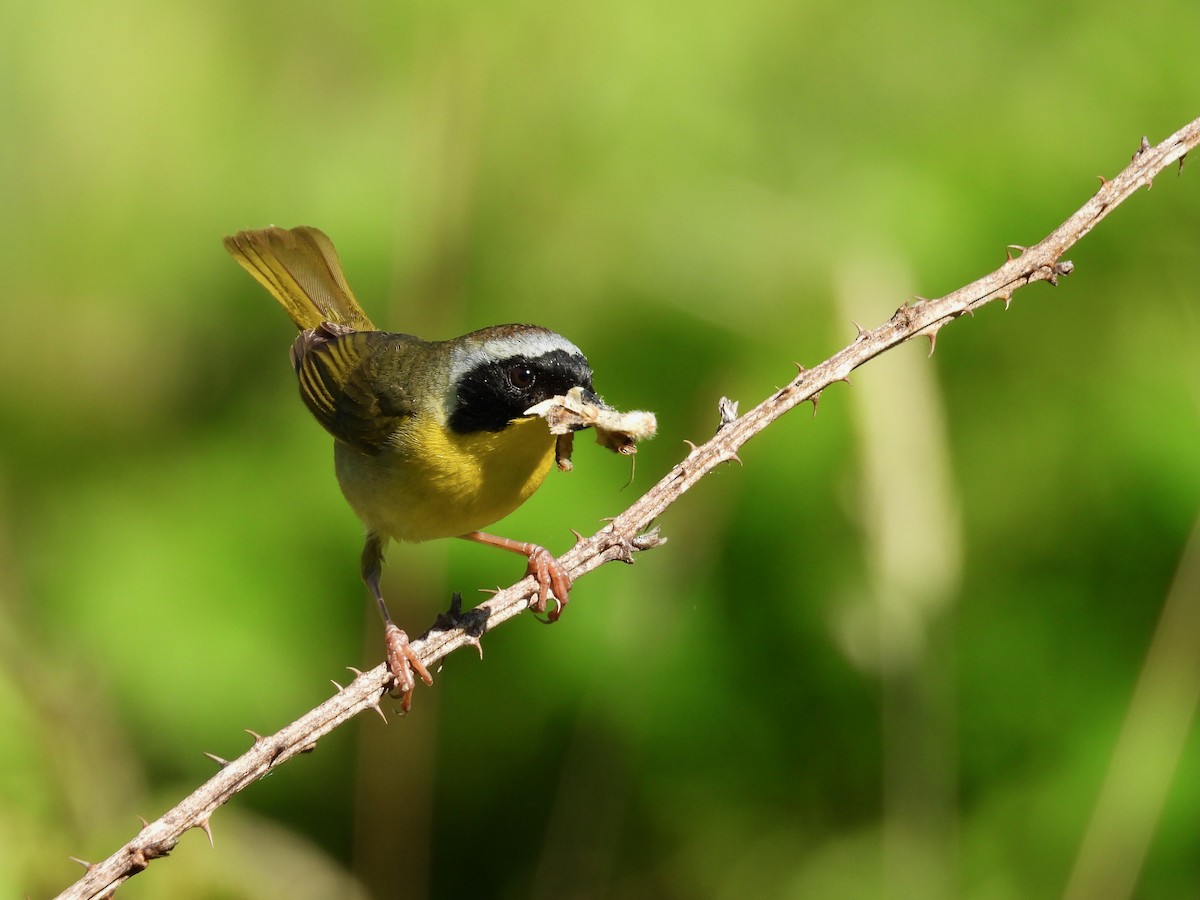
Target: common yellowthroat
[(432, 438)]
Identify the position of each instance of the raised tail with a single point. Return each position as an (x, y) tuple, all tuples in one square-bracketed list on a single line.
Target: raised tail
[(300, 267)]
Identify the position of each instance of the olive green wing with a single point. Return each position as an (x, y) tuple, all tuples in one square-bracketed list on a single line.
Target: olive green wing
[(350, 381)]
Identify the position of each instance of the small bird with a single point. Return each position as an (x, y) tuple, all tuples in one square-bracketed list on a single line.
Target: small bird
[(432, 439)]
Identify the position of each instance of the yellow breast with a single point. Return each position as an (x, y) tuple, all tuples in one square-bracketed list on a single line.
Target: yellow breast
[(431, 483)]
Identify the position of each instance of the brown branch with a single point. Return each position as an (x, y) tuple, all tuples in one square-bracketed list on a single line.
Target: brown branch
[(628, 532)]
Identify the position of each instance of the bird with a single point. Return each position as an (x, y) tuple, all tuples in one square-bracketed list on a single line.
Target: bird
[(432, 439)]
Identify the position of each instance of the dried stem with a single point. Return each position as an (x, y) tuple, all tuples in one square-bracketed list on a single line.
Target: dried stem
[(629, 532)]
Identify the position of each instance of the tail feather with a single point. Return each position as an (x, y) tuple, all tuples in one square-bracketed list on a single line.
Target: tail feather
[(300, 267)]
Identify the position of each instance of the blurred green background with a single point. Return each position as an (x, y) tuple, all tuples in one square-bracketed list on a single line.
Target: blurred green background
[(910, 649)]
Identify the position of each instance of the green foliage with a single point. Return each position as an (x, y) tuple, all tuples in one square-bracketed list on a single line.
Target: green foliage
[(780, 702)]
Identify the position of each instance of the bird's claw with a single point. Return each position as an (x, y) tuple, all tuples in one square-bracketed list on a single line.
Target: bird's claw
[(402, 661), (552, 580)]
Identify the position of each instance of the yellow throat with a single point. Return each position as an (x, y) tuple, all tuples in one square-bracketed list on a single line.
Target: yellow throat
[(433, 483)]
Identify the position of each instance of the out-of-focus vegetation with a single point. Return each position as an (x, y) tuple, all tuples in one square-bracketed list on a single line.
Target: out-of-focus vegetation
[(892, 656)]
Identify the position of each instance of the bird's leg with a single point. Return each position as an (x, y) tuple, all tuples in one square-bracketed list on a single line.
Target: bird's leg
[(401, 659), (550, 576)]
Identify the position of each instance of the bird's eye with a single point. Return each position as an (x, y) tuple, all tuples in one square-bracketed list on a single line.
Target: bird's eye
[(520, 376)]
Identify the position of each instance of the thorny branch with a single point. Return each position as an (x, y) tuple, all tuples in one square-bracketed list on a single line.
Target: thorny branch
[(631, 531)]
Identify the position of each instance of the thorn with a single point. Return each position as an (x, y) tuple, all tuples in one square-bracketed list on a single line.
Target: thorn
[(733, 457), (82, 862), (845, 378), (1104, 182), (1007, 298), (692, 448), (1011, 247), (258, 738), (220, 761), (815, 398), (932, 335), (920, 299), (205, 825), (142, 819), (862, 332), (1142, 148), (579, 538), (473, 641), (379, 709), (800, 370)]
